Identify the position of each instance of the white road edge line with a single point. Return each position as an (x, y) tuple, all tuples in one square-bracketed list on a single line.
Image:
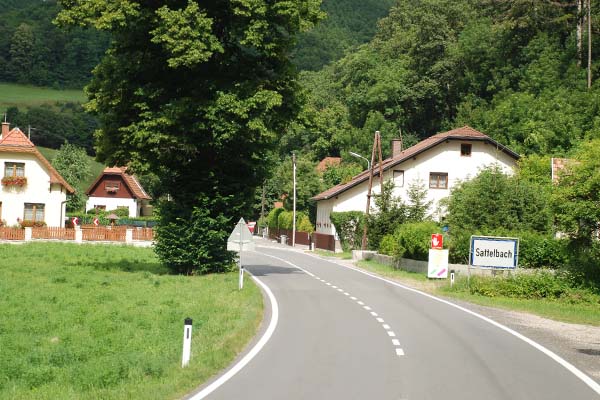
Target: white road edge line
[(567, 365), (253, 352), (400, 352), (395, 342)]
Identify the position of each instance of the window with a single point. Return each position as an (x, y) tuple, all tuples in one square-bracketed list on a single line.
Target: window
[(398, 178), (34, 212), (438, 180), (465, 149), (14, 169), (111, 186)]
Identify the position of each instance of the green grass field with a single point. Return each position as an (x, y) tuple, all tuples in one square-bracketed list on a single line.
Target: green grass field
[(23, 96), (106, 322)]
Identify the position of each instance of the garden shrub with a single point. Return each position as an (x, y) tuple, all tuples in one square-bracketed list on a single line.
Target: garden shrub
[(303, 224), (388, 246), (285, 220), (414, 239), (349, 226), (273, 218)]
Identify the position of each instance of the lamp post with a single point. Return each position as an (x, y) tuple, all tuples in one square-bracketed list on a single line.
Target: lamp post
[(359, 156)]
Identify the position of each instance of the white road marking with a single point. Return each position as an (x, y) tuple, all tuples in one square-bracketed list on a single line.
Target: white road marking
[(253, 352), (391, 334), (335, 287), (346, 294), (373, 313), (395, 342), (400, 352), (328, 284), (340, 290), (360, 303), (386, 326), (353, 298), (367, 308), (380, 320), (568, 366)]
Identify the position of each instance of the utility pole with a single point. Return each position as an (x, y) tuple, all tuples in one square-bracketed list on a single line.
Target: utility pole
[(589, 21), (376, 148), (294, 212)]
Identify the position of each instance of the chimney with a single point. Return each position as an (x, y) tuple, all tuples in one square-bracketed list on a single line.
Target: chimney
[(5, 129), (396, 147)]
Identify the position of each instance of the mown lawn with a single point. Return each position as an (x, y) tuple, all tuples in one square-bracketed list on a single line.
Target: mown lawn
[(12, 94), (106, 322)]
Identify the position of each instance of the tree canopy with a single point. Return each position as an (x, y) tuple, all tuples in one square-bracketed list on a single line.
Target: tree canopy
[(197, 93)]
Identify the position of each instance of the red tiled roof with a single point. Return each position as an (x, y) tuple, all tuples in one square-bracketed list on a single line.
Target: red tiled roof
[(16, 142), (463, 133), (328, 161), (130, 180)]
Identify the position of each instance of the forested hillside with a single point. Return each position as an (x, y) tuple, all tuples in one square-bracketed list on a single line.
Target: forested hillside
[(348, 23), (34, 51), (511, 69)]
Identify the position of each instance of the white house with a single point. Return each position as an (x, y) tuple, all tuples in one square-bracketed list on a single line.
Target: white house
[(115, 188), (438, 162), (33, 192)]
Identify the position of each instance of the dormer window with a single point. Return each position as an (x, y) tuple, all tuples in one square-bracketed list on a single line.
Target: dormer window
[(111, 186), (14, 169)]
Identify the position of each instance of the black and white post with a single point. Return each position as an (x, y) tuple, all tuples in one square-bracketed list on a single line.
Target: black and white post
[(187, 342)]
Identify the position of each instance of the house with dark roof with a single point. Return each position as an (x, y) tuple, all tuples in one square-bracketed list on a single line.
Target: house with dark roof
[(33, 192), (114, 189), (438, 163)]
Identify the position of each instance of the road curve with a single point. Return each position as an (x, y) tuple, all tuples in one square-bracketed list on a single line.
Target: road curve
[(342, 334)]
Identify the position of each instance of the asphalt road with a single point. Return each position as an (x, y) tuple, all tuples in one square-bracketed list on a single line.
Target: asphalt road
[(342, 334)]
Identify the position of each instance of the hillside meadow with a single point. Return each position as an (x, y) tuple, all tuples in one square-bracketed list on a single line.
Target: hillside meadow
[(23, 96), (106, 322)]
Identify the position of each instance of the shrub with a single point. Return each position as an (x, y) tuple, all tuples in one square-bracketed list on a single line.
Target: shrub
[(349, 227), (414, 239), (303, 224), (273, 218), (536, 250), (389, 246), (285, 220)]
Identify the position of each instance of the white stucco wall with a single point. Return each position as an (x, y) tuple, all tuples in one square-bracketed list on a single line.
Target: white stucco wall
[(112, 203), (443, 158), (38, 190)]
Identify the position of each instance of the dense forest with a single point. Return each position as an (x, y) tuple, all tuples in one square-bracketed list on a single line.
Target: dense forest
[(34, 51)]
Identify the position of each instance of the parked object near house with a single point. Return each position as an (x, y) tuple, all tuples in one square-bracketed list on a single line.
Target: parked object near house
[(439, 162), (114, 189), (33, 193)]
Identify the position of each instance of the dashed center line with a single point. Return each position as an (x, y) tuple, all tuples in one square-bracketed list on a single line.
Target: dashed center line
[(395, 342)]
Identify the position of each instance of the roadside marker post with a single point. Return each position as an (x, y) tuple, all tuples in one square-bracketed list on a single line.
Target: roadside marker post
[(451, 277), (187, 342), (240, 239)]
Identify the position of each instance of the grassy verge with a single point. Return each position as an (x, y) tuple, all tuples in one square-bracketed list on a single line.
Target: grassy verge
[(577, 309), (106, 322), (346, 255), (28, 96)]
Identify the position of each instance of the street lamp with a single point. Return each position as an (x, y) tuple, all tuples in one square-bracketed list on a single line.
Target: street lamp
[(359, 156)]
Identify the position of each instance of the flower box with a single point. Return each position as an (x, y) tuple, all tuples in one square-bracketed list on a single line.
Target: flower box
[(14, 181)]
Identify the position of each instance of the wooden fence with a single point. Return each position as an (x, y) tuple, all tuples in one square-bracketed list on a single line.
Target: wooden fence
[(102, 233), (324, 241), (53, 233), (143, 234), (12, 233)]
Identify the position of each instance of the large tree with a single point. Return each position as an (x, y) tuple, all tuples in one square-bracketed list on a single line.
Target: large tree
[(197, 92)]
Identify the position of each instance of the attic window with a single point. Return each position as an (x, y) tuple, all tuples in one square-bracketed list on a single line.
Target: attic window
[(111, 186), (465, 149)]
